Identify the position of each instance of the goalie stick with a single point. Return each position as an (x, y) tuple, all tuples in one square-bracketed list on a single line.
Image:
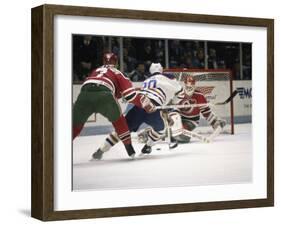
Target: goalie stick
[(205, 139), (200, 137), (234, 93), (171, 143)]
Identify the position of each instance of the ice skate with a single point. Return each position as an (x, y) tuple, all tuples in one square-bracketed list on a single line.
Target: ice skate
[(98, 154), (146, 149), (130, 150)]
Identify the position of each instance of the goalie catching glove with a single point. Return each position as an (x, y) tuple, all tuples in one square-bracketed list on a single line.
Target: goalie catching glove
[(147, 105)]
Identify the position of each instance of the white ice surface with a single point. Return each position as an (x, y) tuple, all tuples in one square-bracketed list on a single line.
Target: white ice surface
[(227, 160)]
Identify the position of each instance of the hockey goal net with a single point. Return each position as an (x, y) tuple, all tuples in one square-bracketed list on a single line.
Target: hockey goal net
[(217, 86)]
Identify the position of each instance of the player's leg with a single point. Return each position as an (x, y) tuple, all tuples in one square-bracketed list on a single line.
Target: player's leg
[(135, 117), (112, 112), (82, 110), (134, 120), (155, 132), (108, 143), (89, 101)]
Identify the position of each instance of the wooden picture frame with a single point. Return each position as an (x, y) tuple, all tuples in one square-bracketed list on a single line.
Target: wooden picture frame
[(42, 203)]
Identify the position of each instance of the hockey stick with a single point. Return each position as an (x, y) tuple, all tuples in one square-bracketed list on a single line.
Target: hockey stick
[(234, 93), (196, 135), (199, 105), (168, 130)]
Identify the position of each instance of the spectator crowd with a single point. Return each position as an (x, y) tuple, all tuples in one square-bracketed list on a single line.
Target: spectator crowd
[(138, 53)]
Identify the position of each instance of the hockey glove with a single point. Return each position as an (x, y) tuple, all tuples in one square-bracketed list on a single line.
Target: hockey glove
[(147, 105)]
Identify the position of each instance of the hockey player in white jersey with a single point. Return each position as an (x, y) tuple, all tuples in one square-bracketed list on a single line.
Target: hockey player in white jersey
[(157, 90)]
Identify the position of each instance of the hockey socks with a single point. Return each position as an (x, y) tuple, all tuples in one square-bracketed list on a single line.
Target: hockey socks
[(153, 137), (121, 128), (124, 135), (109, 142)]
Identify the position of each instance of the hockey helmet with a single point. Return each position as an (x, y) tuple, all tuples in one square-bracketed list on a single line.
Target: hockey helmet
[(189, 85), (110, 59), (155, 68)]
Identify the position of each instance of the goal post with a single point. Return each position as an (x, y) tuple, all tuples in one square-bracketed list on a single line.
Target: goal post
[(216, 85)]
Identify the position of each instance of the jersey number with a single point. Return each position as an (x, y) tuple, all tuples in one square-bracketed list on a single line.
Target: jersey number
[(149, 84), (101, 72)]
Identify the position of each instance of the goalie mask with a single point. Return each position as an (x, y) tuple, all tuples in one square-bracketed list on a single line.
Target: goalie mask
[(189, 85)]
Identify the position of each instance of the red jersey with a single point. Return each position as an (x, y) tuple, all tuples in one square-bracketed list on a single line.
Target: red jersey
[(193, 113), (114, 80)]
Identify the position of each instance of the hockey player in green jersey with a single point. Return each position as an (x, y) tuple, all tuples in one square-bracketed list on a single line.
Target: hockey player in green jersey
[(100, 93)]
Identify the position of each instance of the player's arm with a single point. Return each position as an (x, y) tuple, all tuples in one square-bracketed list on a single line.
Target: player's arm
[(210, 116), (140, 100), (131, 95)]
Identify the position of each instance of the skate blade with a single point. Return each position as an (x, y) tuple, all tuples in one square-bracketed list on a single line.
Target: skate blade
[(133, 156), (173, 145), (143, 155), (93, 160)]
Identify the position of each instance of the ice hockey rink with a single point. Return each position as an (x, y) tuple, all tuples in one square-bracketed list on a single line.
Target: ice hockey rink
[(227, 160)]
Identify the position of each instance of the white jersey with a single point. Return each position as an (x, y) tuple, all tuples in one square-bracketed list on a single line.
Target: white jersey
[(161, 89)]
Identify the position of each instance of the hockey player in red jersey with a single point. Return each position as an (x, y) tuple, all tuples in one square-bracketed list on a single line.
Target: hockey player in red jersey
[(190, 116), (100, 93), (158, 90)]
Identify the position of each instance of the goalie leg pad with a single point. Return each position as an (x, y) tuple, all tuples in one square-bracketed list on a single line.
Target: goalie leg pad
[(182, 139), (175, 123), (188, 125)]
